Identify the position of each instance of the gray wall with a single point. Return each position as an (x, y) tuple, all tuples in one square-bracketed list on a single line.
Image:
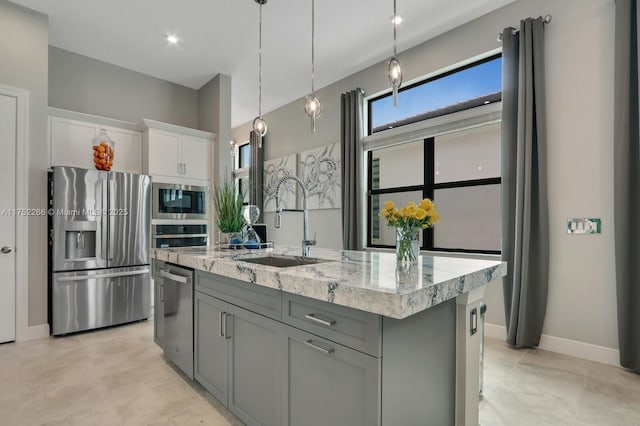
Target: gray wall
[(24, 36), (214, 115), (80, 83), (579, 69)]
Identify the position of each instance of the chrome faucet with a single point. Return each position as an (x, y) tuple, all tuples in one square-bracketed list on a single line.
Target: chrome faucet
[(306, 242)]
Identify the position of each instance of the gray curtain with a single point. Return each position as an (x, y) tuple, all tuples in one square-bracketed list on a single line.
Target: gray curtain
[(627, 183), (351, 134), (525, 218), (256, 176)]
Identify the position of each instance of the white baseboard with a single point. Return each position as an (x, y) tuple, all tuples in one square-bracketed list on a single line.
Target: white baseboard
[(495, 331), (574, 348), (37, 332)]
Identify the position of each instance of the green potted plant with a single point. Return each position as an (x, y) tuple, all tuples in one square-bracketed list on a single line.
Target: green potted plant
[(227, 201)]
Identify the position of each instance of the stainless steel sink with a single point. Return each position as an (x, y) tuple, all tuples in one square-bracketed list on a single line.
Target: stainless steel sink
[(284, 261)]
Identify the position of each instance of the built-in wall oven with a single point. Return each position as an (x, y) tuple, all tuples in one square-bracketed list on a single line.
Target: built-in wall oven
[(175, 201), (179, 235)]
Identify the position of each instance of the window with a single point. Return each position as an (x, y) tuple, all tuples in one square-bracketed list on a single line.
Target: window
[(458, 168), (244, 155), (241, 173), (467, 87)]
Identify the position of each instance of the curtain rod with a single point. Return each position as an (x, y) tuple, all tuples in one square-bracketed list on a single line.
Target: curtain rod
[(546, 20)]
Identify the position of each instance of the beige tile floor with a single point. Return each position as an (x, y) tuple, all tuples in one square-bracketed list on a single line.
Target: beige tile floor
[(117, 376), (537, 387)]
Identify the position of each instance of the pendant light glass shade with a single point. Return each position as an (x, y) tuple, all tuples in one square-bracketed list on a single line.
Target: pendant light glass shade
[(395, 78), (312, 105), (395, 71), (259, 125), (313, 109)]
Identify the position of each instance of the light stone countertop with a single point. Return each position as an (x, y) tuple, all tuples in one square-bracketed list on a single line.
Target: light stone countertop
[(368, 281)]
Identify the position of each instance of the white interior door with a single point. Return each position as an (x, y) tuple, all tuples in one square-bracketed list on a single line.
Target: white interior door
[(8, 137)]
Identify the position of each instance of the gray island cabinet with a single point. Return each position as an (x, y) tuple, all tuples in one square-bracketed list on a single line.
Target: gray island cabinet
[(293, 346)]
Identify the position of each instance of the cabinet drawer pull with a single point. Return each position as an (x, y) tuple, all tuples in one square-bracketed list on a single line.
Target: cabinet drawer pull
[(324, 321), (221, 324), (225, 316), (327, 351)]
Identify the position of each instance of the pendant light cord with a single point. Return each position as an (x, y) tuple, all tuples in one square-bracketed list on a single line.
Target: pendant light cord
[(395, 23), (260, 65), (313, 39)]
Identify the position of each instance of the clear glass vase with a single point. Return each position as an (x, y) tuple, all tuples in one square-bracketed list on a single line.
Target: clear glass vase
[(407, 245), (230, 239)]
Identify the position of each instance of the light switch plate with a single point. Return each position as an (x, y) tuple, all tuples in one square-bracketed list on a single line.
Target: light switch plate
[(584, 226)]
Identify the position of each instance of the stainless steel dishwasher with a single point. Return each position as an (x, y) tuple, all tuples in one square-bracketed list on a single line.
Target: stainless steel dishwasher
[(176, 294)]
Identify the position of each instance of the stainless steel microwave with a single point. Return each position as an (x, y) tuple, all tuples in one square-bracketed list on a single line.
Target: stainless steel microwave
[(174, 201)]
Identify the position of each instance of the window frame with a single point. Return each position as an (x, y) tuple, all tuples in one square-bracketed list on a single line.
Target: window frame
[(240, 173), (468, 117), (428, 189), (240, 155)]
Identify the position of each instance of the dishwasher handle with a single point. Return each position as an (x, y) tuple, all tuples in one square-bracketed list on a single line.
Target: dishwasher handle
[(174, 277)]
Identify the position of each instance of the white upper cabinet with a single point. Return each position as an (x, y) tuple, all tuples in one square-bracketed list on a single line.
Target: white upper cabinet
[(177, 153), (196, 156), (71, 140), (164, 153)]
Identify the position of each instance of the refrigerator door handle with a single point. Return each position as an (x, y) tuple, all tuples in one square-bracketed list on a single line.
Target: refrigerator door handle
[(111, 219), (107, 275), (103, 223)]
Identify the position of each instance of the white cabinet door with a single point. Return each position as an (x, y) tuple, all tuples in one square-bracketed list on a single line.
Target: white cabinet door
[(196, 153), (71, 142), (128, 149), (164, 153)]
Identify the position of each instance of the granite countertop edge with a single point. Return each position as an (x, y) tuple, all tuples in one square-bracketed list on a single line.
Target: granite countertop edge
[(368, 281)]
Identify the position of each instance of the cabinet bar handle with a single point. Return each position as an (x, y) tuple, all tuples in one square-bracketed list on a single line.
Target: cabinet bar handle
[(162, 293), (225, 316), (315, 317), (220, 324), (327, 351)]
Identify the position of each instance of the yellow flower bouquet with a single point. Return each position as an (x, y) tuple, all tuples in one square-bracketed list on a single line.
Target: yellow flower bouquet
[(408, 221)]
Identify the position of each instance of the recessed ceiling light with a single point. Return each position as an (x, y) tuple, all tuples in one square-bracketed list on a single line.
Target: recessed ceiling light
[(397, 19), (172, 39)]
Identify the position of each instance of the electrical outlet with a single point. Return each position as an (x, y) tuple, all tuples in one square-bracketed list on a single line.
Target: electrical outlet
[(584, 226)]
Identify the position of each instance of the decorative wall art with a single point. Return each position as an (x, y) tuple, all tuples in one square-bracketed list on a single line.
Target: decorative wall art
[(274, 170), (320, 171)]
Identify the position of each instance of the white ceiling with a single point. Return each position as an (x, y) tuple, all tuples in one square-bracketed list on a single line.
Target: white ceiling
[(218, 36)]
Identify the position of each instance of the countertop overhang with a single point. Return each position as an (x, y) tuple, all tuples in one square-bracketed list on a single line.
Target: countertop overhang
[(368, 281)]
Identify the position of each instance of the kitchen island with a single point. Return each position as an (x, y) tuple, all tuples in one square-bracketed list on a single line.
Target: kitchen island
[(350, 339)]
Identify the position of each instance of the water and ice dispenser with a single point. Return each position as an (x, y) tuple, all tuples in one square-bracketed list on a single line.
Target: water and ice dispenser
[(80, 240)]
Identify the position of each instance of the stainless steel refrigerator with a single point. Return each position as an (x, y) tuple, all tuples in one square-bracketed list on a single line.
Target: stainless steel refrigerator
[(99, 249)]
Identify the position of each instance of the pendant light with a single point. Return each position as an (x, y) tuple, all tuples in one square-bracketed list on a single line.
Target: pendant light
[(395, 72), (259, 125), (311, 103)]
